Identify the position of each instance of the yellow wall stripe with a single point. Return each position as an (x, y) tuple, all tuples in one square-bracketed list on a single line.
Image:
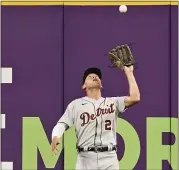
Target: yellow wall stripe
[(3, 3), (87, 3)]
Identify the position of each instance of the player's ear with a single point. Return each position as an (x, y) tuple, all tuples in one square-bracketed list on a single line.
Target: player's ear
[(101, 85), (83, 86)]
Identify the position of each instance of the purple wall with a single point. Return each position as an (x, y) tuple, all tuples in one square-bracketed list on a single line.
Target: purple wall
[(32, 44), (174, 60)]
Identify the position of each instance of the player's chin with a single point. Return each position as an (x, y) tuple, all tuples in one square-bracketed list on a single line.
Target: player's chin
[(98, 86)]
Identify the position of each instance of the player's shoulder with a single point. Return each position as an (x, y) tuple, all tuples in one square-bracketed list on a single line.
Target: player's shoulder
[(110, 99), (76, 101), (115, 98)]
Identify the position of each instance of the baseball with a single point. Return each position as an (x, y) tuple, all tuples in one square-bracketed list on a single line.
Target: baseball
[(123, 8)]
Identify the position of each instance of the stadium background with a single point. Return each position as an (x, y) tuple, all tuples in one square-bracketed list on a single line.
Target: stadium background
[(48, 46)]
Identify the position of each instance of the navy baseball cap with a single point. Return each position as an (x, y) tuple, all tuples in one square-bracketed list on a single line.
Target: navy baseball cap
[(92, 70)]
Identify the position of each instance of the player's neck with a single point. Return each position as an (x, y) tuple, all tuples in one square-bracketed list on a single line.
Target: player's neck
[(93, 93)]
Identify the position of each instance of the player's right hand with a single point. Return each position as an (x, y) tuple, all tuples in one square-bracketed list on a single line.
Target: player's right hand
[(54, 145)]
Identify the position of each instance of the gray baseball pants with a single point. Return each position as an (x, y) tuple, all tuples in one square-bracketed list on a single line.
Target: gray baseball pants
[(97, 161)]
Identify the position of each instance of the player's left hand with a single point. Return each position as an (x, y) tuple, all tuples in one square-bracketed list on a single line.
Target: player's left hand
[(128, 69)]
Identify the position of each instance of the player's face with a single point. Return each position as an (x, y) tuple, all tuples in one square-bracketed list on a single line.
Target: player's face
[(92, 81)]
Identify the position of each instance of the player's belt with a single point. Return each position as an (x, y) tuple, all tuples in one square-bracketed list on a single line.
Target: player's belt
[(97, 149)]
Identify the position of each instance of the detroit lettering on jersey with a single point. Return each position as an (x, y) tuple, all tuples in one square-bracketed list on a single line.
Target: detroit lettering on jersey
[(86, 117), (95, 121)]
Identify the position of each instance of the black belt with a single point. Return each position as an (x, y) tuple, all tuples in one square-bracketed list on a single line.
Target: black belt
[(97, 149)]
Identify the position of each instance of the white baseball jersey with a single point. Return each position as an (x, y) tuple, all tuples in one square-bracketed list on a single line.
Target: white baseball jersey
[(95, 120)]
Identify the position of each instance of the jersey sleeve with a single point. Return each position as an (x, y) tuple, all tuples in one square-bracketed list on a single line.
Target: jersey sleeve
[(120, 104), (65, 122), (59, 130)]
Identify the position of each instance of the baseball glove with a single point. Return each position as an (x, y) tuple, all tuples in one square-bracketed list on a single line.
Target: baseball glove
[(121, 56)]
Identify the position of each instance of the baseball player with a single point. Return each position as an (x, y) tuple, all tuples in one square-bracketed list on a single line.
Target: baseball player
[(95, 120)]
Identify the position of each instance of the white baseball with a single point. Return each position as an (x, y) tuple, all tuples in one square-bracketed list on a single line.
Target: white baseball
[(123, 8)]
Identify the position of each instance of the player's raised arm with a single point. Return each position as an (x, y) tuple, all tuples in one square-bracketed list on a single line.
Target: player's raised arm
[(122, 58), (65, 122), (134, 94)]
